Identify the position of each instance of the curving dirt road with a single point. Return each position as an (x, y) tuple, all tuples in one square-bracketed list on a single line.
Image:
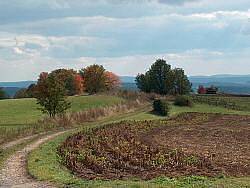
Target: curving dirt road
[(14, 173)]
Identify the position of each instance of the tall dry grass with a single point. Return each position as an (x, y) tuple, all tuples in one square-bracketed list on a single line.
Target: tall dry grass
[(70, 120), (93, 114)]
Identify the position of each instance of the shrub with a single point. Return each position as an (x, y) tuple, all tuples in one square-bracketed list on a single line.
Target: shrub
[(161, 107), (183, 101)]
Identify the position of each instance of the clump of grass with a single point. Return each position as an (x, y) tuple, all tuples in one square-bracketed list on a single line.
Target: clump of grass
[(183, 101), (77, 118), (161, 107), (229, 102)]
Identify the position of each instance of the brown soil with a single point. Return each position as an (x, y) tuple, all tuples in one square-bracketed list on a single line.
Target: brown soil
[(189, 144), (226, 140)]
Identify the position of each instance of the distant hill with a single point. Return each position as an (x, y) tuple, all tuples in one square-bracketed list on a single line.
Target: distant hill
[(240, 79), (127, 79), (11, 91), (236, 84), (12, 87), (129, 86), (22, 84)]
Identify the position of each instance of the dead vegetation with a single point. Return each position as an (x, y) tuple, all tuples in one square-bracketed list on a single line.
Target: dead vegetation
[(189, 144)]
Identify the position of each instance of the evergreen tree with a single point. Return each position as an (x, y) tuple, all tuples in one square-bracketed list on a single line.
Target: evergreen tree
[(161, 79)]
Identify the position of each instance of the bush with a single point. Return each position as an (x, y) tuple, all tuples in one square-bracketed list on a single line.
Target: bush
[(161, 107), (183, 101)]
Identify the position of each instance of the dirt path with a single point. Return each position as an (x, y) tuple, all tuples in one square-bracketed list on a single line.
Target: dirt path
[(14, 173), (19, 141)]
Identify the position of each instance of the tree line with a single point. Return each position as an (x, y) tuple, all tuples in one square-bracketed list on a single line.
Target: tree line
[(92, 79), (3, 94), (52, 89)]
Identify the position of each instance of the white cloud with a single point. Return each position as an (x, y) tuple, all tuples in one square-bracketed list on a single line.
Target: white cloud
[(125, 36), (194, 62)]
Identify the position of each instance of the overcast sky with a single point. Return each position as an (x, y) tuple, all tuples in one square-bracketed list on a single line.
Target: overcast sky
[(204, 37)]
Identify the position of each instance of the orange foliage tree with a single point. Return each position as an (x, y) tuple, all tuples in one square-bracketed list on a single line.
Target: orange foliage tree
[(112, 80), (94, 78)]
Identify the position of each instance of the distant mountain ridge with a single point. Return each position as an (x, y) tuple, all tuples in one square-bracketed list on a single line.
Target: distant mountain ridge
[(240, 79), (127, 79), (21, 84), (12, 87), (236, 84)]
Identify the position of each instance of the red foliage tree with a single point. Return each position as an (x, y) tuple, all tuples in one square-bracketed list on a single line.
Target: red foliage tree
[(202, 90), (41, 85), (112, 81), (79, 84)]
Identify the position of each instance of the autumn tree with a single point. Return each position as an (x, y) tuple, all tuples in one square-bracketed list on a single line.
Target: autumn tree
[(112, 81), (202, 90), (31, 90), (26, 92), (79, 84), (50, 94), (67, 76), (94, 78)]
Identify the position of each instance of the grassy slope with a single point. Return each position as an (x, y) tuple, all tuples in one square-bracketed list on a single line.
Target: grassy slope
[(17, 117), (44, 163), (25, 111)]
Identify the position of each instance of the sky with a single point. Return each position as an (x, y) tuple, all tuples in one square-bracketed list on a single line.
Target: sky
[(204, 37)]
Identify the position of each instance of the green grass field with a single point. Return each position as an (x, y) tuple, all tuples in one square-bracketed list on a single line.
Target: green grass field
[(19, 115), (44, 163)]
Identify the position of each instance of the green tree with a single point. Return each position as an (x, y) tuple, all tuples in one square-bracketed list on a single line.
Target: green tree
[(21, 93), (182, 85), (50, 94), (142, 82), (31, 90), (161, 79), (3, 95), (67, 77), (94, 78)]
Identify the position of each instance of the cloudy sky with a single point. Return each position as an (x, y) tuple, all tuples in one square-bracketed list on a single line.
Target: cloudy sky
[(204, 37)]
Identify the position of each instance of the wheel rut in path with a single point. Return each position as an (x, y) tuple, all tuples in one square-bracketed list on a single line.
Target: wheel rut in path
[(15, 174)]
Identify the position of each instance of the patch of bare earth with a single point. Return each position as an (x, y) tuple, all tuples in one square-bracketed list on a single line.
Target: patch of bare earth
[(226, 140), (189, 144)]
